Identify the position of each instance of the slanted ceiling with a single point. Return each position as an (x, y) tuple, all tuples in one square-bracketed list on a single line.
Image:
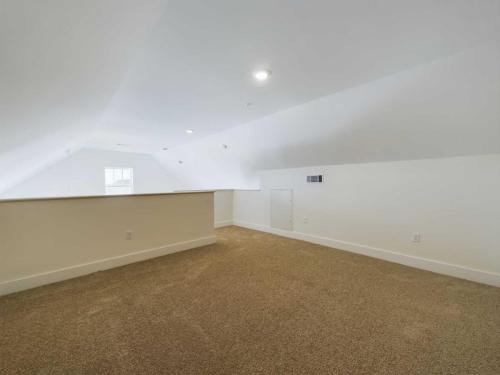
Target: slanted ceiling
[(447, 108), (61, 62), (138, 73)]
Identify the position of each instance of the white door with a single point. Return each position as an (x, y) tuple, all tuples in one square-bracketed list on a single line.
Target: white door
[(282, 209)]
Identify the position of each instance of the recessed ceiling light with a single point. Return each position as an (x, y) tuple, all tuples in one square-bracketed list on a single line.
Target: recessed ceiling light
[(189, 131), (262, 75)]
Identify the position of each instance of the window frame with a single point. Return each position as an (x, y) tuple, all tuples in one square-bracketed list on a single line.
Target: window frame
[(119, 185)]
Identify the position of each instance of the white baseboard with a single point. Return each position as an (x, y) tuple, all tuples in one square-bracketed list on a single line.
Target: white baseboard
[(32, 281), (220, 224), (448, 269)]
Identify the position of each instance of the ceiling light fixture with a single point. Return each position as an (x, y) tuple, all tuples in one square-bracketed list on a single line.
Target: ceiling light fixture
[(189, 131), (262, 75)]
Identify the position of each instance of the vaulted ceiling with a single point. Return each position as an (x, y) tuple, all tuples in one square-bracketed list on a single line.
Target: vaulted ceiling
[(447, 108), (61, 62), (195, 69), (133, 75)]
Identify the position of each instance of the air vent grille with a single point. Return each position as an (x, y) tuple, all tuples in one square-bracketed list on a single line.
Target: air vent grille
[(315, 178)]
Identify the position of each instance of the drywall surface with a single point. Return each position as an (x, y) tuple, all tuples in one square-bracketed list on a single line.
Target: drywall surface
[(83, 174), (49, 240), (62, 62), (453, 203), (223, 208), (446, 108)]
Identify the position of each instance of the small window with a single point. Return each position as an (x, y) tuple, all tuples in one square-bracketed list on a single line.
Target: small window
[(118, 181)]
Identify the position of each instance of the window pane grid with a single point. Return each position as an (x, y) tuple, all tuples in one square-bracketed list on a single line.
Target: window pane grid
[(118, 181)]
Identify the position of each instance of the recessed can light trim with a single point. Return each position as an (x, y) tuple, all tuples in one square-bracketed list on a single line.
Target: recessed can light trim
[(262, 75)]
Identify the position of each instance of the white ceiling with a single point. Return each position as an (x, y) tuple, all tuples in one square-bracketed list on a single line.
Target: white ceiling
[(195, 69), (60, 63), (103, 72), (447, 108)]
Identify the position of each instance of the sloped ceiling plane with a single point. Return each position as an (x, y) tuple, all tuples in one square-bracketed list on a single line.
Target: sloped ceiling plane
[(109, 73)]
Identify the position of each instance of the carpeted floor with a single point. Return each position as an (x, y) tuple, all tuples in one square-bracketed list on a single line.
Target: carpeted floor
[(254, 303)]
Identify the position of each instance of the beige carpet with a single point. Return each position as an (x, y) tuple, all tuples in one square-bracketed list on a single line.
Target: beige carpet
[(254, 303)]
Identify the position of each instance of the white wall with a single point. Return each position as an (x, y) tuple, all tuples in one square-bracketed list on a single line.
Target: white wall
[(454, 203), (223, 208), (83, 174)]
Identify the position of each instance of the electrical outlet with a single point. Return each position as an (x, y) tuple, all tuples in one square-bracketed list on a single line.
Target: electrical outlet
[(128, 235), (415, 237), (306, 220)]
